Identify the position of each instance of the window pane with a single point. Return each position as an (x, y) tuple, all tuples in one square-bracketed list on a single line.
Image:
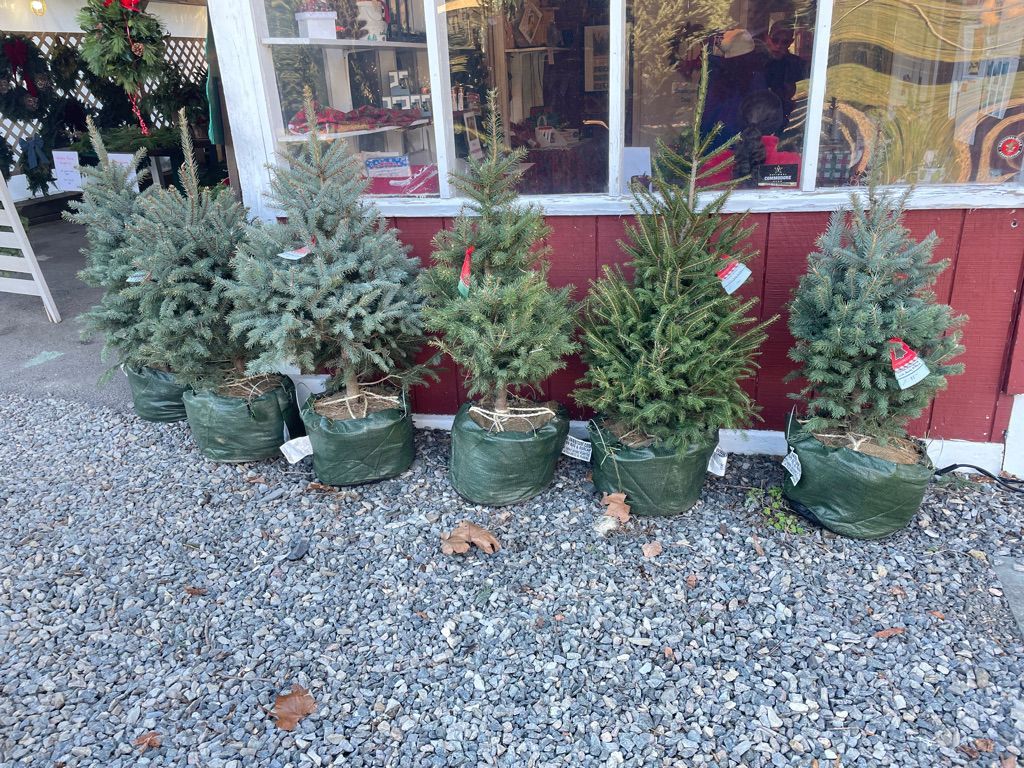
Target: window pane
[(366, 62), (930, 91), (549, 64), (759, 61)]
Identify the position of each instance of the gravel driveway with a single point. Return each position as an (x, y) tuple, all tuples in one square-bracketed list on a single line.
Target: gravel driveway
[(563, 649)]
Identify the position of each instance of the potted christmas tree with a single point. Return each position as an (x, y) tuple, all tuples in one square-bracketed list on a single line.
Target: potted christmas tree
[(504, 326), (873, 347), (332, 289), (669, 348), (109, 203), (184, 242)]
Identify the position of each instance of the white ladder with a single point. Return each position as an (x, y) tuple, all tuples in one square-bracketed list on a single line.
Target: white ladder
[(12, 236)]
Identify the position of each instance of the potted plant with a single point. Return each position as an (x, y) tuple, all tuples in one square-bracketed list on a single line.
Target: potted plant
[(873, 346), (184, 242), (110, 201), (332, 289), (317, 18), (496, 316), (668, 349)]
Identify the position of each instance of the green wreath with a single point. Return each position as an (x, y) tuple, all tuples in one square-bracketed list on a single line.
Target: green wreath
[(124, 44), (26, 87)]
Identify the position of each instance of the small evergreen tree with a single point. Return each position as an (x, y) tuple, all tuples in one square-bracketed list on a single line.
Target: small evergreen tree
[(668, 350), (110, 201), (867, 288), (184, 242), (350, 304), (500, 321)]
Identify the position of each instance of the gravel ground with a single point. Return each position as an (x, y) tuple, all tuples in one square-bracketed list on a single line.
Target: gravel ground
[(564, 649)]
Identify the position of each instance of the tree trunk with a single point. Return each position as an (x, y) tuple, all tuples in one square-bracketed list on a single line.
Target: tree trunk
[(239, 364), (501, 400), (352, 385)]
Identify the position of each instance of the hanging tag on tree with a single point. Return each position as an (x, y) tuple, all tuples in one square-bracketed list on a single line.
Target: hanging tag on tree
[(577, 449), (908, 367), (297, 449), (137, 277), (295, 254), (719, 460), (733, 275), (467, 268), (792, 465)]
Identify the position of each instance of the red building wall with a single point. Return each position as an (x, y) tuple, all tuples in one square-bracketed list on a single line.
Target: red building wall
[(984, 281)]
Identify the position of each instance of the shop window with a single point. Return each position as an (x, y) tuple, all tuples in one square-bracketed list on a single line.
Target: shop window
[(366, 61), (929, 93), (548, 62), (759, 64)]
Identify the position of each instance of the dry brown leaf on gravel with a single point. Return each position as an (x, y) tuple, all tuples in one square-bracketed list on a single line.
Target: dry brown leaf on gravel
[(984, 745), (146, 741), (652, 549), (458, 541), (1008, 760), (898, 592), (617, 506), (691, 580), (938, 615), (669, 653), (884, 634), (290, 708), (757, 545), (195, 591)]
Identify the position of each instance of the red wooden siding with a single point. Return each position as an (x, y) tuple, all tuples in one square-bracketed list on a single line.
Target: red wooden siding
[(986, 253)]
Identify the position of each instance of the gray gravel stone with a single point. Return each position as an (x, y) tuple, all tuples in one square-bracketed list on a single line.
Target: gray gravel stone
[(143, 588)]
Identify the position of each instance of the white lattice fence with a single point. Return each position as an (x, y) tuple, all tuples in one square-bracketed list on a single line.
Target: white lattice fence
[(188, 53)]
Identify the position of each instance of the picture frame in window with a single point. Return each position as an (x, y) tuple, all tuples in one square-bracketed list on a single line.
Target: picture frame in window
[(476, 149), (596, 61), (529, 22)]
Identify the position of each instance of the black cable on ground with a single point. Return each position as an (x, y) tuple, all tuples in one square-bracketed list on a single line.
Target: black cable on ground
[(1017, 486)]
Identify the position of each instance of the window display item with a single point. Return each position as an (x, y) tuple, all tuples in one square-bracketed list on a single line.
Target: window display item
[(317, 19), (374, 16), (365, 118)]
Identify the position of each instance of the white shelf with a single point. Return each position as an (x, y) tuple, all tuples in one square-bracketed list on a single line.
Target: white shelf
[(296, 138), (349, 45)]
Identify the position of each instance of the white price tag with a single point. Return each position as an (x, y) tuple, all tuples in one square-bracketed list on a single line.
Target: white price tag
[(295, 254), (733, 276), (66, 171), (577, 449), (719, 459), (792, 465), (137, 277), (297, 449), (907, 365)]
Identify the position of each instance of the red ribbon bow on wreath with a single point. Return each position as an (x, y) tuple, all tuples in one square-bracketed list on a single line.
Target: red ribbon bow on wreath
[(16, 52), (128, 5)]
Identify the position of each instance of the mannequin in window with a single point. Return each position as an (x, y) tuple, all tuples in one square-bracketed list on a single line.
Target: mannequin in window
[(736, 69), (783, 70)]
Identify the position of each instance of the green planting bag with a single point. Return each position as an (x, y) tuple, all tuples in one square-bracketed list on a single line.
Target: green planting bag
[(499, 468), (237, 429), (851, 493), (353, 451), (156, 394), (657, 480)]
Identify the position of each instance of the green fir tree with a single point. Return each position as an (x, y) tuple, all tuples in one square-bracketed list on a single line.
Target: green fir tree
[(110, 201), (184, 242), (870, 282), (504, 326), (668, 349), (351, 304)]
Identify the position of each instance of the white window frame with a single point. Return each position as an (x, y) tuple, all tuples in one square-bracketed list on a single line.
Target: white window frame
[(239, 26)]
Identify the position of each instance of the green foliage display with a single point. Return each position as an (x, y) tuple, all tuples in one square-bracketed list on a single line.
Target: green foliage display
[(511, 329), (770, 504), (26, 84), (122, 43), (177, 91), (109, 202), (351, 305), (183, 242), (668, 350), (869, 282)]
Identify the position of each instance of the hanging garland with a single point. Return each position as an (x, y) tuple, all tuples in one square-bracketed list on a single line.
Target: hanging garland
[(26, 87), (125, 44)]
